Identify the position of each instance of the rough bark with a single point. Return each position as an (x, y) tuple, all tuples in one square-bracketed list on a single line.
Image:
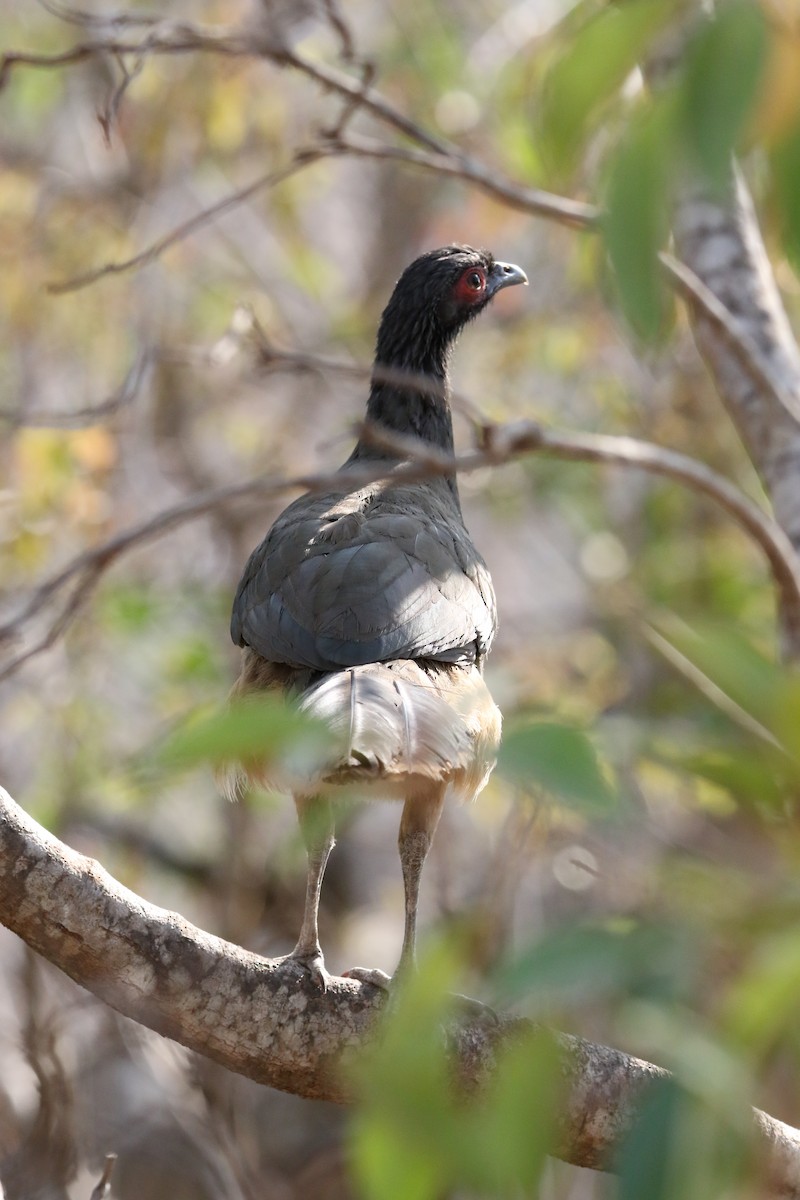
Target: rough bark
[(720, 240), (263, 1019)]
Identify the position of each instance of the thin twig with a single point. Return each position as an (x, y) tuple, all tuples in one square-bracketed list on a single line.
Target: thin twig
[(110, 111), (300, 159), (574, 213), (436, 154), (341, 28), (712, 691), (271, 358), (89, 20), (412, 461), (125, 394), (104, 1183)]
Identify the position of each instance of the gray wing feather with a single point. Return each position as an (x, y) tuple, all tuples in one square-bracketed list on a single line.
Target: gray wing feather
[(345, 581)]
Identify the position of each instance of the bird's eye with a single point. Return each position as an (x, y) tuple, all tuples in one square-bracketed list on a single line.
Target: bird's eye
[(471, 286)]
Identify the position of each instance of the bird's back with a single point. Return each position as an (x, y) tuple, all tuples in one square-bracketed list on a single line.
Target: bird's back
[(384, 573)]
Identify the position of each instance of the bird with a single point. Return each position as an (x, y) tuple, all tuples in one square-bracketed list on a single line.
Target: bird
[(370, 609)]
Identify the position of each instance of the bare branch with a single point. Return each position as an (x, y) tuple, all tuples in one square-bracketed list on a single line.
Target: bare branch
[(272, 358), (437, 155), (125, 394), (337, 22), (263, 1018), (411, 461), (574, 213), (169, 37), (183, 37), (712, 691), (579, 215), (90, 20), (671, 464), (110, 111), (76, 54), (300, 159), (103, 1186)]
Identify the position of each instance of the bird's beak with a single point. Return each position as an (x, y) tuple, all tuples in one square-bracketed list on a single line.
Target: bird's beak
[(504, 275)]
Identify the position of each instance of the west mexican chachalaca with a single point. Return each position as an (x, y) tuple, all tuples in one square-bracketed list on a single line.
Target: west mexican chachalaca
[(372, 609)]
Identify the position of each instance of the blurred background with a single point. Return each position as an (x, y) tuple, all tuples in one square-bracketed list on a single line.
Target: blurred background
[(630, 871)]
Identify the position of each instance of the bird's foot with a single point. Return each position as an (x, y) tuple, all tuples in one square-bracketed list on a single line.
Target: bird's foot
[(371, 975), (469, 1008), (474, 1010), (312, 965)]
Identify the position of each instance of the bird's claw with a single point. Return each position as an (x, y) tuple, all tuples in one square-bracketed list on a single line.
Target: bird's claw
[(474, 1010), (467, 1007), (371, 975), (313, 967)]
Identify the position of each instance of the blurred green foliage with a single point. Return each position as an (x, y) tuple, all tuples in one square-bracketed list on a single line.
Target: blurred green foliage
[(652, 737), (416, 1136)]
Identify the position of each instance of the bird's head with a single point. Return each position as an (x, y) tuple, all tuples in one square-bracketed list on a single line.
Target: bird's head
[(434, 298)]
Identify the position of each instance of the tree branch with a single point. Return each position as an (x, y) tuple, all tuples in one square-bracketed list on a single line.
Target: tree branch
[(574, 213), (300, 159), (722, 242), (125, 394), (499, 444), (736, 318), (264, 1019)]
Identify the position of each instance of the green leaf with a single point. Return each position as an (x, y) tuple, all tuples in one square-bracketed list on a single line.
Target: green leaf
[(415, 1137), (646, 1157), (723, 70), (760, 779), (388, 1166), (761, 1008), (636, 220), (679, 1147), (559, 758), (590, 72), (506, 1141), (406, 1115), (258, 727), (580, 965), (786, 180), (729, 670)]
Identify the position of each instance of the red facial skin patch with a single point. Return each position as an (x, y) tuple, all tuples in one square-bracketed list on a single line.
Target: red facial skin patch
[(471, 286)]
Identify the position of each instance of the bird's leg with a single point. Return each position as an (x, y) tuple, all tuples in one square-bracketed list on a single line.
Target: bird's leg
[(417, 826), (315, 815)]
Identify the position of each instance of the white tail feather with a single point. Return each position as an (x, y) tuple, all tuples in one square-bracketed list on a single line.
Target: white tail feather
[(395, 719)]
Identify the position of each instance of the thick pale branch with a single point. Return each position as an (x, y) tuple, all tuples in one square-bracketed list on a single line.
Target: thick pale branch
[(264, 1019), (722, 243)]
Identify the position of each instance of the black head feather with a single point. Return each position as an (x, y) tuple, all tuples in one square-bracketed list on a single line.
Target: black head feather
[(432, 301)]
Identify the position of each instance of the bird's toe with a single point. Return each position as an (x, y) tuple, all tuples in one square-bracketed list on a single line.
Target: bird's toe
[(312, 966), (371, 975), (474, 1010)]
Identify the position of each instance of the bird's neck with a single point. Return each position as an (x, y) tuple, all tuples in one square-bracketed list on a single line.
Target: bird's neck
[(420, 408)]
